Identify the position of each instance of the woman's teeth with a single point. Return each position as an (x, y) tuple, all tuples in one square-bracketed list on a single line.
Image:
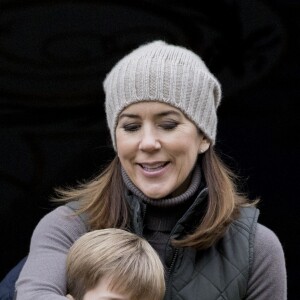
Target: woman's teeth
[(154, 167)]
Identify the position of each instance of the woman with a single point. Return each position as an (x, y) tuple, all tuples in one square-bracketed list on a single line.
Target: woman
[(166, 184)]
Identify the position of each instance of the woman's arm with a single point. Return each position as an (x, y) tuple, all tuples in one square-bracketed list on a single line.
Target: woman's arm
[(43, 276), (268, 277)]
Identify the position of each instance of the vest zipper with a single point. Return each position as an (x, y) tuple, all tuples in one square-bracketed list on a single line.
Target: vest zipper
[(169, 275)]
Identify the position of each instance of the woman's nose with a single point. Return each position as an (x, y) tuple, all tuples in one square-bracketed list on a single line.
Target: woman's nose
[(149, 141)]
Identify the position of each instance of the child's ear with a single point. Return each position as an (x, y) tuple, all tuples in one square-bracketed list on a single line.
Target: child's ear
[(70, 297)]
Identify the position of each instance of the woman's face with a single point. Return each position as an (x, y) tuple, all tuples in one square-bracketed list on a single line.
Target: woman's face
[(158, 148)]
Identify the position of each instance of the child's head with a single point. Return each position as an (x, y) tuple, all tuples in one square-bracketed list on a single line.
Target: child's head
[(115, 262)]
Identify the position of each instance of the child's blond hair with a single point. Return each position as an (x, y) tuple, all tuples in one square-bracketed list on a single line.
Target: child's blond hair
[(130, 264)]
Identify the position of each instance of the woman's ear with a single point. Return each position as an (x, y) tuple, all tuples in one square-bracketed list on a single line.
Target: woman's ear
[(203, 145), (70, 297)]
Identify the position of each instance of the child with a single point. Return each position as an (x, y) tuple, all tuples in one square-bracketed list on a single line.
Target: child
[(114, 264)]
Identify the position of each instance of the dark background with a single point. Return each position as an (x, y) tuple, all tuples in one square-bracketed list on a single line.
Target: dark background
[(55, 54)]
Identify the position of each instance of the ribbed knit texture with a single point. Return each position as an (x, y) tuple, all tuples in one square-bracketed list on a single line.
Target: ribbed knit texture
[(166, 73)]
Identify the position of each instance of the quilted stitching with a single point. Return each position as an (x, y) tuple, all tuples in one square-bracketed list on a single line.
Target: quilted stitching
[(221, 270)]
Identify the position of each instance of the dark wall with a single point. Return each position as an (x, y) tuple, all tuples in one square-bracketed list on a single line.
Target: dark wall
[(53, 58)]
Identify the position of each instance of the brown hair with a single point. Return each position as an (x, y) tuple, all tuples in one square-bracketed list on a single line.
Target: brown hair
[(128, 262), (103, 199)]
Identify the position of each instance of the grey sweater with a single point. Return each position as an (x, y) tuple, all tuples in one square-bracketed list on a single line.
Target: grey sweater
[(43, 276)]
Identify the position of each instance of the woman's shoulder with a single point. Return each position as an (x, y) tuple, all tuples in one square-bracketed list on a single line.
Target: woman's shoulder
[(266, 241), (268, 250), (62, 213), (268, 271), (62, 220)]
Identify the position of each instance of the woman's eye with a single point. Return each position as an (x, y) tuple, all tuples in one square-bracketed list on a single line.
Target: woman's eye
[(131, 127), (169, 125)]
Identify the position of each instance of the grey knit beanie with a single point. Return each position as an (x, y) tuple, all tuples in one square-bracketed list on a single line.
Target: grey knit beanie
[(166, 73)]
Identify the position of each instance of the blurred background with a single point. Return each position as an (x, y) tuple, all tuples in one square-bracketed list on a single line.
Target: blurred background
[(54, 56)]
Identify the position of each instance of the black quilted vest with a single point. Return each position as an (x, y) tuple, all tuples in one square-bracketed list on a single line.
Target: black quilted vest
[(218, 273)]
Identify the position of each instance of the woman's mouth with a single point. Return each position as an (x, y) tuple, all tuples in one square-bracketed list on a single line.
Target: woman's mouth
[(153, 169)]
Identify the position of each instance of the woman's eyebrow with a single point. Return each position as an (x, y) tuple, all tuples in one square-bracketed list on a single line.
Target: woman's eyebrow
[(169, 112), (110, 298), (161, 114), (125, 115)]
